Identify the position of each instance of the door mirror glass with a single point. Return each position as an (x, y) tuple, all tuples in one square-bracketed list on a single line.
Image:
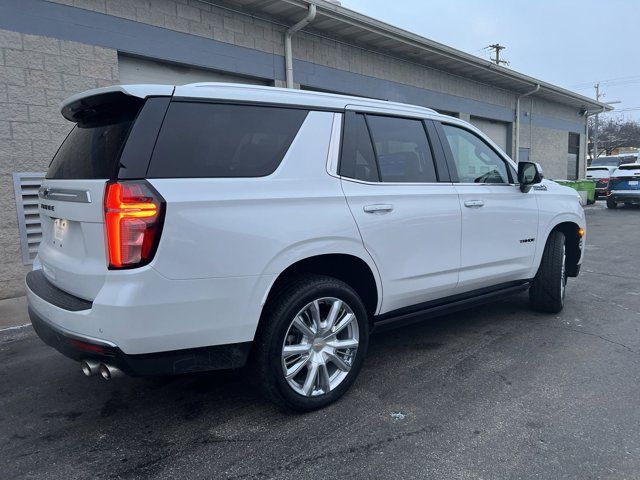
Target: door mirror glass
[(529, 173)]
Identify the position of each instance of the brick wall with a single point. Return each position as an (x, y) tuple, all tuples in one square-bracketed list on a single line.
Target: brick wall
[(199, 18), (194, 17), (202, 19), (36, 73)]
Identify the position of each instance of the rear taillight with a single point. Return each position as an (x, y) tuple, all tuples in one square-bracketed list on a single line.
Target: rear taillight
[(133, 213)]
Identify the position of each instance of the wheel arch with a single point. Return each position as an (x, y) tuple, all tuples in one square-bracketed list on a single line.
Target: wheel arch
[(351, 269), (573, 244)]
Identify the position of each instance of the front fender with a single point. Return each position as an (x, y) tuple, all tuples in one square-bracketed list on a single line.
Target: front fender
[(549, 225)]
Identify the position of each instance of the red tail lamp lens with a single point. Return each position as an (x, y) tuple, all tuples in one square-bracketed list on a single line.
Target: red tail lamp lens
[(133, 223), (88, 347)]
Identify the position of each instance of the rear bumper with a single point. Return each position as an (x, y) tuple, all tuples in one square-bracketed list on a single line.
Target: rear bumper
[(72, 326), (628, 196), (78, 347)]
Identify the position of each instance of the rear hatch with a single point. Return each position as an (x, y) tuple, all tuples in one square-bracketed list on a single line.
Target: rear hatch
[(73, 252), (626, 177), (600, 175)]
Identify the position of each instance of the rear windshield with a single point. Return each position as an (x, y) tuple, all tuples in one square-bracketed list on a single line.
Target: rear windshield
[(219, 140), (628, 159), (92, 149), (606, 162), (629, 167)]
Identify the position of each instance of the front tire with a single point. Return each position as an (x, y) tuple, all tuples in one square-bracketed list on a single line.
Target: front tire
[(312, 341), (548, 289)]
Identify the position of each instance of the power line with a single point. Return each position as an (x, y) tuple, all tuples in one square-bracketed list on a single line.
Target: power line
[(612, 81), (497, 48), (629, 109)]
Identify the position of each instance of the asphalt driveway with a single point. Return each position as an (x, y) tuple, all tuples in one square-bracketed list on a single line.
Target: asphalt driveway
[(494, 393)]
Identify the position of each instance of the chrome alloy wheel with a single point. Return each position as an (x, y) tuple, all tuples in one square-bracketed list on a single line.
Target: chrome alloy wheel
[(320, 347)]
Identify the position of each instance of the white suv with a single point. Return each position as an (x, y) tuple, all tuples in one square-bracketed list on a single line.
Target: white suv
[(210, 225)]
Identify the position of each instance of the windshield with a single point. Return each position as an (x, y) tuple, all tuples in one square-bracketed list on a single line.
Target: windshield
[(606, 162)]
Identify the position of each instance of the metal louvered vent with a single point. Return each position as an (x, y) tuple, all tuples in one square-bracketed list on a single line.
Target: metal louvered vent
[(26, 187)]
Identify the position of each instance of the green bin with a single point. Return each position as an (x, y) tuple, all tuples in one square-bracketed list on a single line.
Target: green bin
[(587, 187)]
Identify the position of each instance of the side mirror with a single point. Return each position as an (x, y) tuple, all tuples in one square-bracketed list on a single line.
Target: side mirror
[(529, 173)]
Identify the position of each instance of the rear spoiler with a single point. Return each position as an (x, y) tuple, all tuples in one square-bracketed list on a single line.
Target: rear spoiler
[(80, 105)]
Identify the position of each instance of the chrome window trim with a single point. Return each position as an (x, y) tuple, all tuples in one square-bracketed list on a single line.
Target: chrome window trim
[(398, 184), (466, 184)]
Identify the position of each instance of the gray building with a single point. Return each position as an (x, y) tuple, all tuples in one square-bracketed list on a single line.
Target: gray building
[(52, 49)]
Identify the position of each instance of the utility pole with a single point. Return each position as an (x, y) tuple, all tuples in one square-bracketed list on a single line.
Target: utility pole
[(497, 48), (595, 123)]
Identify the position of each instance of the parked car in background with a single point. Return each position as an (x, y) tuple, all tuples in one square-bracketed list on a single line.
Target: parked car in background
[(601, 176), (614, 161), (200, 227), (624, 186), (626, 158)]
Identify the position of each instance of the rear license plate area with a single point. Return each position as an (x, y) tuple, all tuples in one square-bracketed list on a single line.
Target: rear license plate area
[(60, 227)]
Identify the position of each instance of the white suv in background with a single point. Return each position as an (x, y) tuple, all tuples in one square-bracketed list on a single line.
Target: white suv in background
[(210, 225)]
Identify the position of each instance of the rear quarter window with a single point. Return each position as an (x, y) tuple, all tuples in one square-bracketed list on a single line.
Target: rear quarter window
[(92, 149), (220, 140)]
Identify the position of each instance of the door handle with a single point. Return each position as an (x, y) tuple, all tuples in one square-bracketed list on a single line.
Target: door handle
[(378, 208), (474, 203)]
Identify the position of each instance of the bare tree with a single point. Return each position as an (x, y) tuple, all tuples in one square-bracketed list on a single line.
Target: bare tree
[(614, 132)]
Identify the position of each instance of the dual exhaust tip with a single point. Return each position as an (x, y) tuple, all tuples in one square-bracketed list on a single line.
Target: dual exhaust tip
[(91, 367)]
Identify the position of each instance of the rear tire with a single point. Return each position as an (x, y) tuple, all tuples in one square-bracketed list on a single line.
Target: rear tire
[(611, 203), (547, 291), (318, 373)]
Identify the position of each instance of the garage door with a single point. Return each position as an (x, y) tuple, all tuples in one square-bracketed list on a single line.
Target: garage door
[(137, 70), (496, 131)]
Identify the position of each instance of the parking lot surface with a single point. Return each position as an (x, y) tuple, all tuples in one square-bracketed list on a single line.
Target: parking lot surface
[(497, 392)]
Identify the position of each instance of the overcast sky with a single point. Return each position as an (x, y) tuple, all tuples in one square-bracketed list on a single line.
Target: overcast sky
[(570, 43)]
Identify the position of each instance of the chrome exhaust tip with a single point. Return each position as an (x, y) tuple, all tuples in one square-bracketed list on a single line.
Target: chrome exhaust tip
[(108, 371), (89, 367)]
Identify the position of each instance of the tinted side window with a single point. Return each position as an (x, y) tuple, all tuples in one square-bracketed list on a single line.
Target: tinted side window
[(357, 159), (90, 152), (217, 140), (475, 161), (403, 150), (92, 149)]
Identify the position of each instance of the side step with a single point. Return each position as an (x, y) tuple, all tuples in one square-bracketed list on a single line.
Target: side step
[(445, 306)]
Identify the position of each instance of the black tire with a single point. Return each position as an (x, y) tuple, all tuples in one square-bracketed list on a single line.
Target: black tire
[(611, 203), (547, 291), (279, 313)]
